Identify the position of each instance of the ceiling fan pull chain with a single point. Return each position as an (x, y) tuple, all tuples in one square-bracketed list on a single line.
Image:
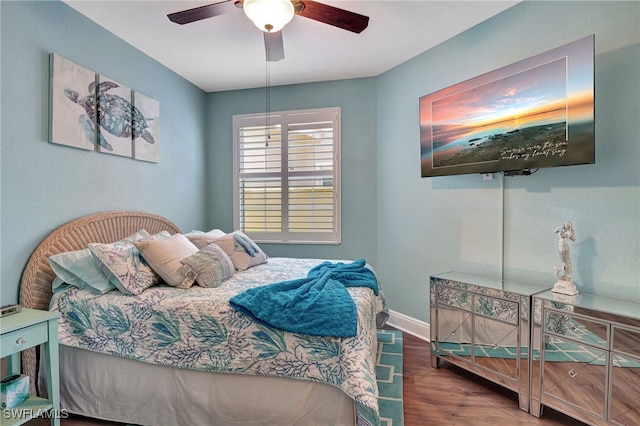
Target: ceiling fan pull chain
[(268, 93)]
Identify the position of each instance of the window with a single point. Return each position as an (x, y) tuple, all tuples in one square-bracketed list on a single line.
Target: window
[(287, 176)]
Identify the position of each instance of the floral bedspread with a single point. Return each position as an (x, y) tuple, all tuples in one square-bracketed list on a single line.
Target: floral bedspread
[(197, 329)]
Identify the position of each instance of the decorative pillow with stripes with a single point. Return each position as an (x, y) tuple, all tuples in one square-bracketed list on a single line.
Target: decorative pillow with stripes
[(210, 266)]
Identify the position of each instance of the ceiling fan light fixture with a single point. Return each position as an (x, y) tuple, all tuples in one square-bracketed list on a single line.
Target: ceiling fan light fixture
[(269, 15)]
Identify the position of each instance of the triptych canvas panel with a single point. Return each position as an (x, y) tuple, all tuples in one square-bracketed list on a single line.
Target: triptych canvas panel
[(72, 114), (146, 125), (93, 112)]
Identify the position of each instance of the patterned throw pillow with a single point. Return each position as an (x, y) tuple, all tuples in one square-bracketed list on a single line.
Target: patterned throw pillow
[(244, 253), (122, 264), (210, 266)]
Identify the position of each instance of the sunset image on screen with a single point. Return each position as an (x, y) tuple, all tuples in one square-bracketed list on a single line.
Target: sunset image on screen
[(476, 125), (538, 112)]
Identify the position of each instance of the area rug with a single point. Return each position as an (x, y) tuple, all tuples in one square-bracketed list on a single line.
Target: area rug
[(389, 377)]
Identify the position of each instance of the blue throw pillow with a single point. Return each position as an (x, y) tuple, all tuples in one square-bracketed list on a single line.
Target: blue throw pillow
[(77, 268)]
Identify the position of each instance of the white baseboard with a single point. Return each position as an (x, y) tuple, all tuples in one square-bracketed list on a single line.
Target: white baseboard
[(410, 325)]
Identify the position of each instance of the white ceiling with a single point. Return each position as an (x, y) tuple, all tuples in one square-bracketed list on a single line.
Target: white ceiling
[(227, 52)]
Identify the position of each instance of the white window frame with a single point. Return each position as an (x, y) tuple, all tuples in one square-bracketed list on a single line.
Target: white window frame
[(285, 119)]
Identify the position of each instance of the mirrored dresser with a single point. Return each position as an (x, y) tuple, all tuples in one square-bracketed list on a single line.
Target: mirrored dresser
[(482, 325), (586, 358)]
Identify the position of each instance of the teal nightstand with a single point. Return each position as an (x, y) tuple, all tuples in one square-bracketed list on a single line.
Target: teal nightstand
[(25, 330)]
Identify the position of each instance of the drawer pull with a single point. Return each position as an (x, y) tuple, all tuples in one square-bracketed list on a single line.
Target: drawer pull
[(20, 341), (572, 373)]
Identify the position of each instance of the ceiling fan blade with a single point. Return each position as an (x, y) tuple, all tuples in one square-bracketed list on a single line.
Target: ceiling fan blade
[(202, 12), (337, 17), (274, 46)]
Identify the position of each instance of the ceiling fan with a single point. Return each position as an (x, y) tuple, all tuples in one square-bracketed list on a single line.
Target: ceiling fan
[(272, 15)]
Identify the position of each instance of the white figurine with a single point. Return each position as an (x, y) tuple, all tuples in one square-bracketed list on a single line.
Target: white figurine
[(563, 274)]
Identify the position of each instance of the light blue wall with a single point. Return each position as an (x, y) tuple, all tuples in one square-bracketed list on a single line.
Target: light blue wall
[(45, 185), (426, 226), (357, 100), (406, 226)]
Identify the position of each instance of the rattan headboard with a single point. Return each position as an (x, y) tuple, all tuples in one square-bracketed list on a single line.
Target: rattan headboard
[(107, 227)]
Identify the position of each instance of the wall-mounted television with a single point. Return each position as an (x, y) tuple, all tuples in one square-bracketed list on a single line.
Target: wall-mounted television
[(535, 113)]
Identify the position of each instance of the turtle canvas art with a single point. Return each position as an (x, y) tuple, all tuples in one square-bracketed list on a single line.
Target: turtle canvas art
[(100, 114)]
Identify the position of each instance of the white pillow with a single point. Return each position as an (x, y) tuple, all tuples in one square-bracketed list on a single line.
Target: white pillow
[(203, 239), (164, 256)]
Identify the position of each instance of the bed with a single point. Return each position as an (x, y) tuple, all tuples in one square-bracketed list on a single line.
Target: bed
[(293, 380)]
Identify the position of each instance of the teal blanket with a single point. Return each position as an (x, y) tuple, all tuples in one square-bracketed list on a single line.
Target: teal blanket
[(317, 305)]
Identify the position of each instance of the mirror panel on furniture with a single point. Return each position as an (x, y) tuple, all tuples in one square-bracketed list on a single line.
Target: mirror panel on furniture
[(586, 358)]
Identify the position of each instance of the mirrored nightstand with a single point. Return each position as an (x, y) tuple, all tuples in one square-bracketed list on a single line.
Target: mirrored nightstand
[(482, 325)]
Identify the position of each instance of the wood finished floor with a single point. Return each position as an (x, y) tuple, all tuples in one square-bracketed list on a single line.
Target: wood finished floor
[(444, 396), (450, 395)]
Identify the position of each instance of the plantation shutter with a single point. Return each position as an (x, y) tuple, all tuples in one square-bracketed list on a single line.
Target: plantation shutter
[(287, 176)]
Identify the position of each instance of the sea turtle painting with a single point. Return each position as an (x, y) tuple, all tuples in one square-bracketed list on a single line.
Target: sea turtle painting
[(116, 115)]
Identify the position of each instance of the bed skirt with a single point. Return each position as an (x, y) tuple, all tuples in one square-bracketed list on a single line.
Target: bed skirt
[(102, 386)]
